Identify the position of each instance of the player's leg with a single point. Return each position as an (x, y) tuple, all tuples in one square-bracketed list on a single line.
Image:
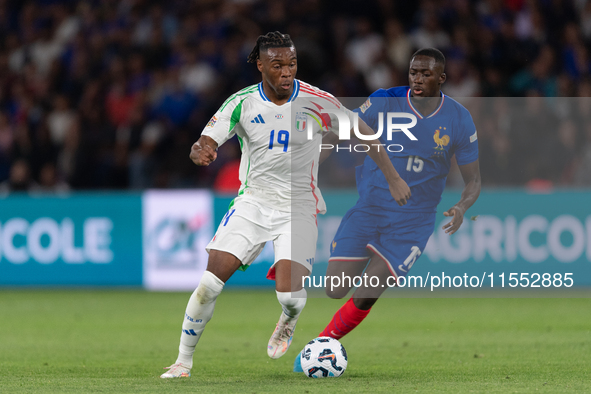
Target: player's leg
[(340, 274), (349, 315), (238, 240), (348, 254), (349, 258), (402, 239), (352, 313), (367, 295), (220, 267), (292, 298), (289, 276), (295, 247)]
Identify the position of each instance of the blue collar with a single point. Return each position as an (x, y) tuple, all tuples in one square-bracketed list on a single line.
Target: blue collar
[(294, 95)]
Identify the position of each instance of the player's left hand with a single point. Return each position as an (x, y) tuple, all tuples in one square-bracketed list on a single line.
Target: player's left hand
[(457, 215)]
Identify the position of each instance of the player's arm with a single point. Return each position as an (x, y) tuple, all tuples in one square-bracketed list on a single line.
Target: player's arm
[(204, 151), (398, 187), (219, 129), (471, 175), (328, 139)]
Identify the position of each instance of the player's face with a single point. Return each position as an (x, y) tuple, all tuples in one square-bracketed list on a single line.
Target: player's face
[(279, 67), (425, 77)]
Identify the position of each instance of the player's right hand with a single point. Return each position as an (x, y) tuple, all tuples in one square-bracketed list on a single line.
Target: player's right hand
[(202, 155), (399, 190)]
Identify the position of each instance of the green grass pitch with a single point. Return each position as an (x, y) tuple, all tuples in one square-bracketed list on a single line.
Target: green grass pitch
[(106, 341)]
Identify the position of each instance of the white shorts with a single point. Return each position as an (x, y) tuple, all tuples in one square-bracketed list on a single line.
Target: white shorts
[(248, 225)]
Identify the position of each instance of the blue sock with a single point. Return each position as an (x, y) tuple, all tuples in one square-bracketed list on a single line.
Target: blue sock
[(297, 364)]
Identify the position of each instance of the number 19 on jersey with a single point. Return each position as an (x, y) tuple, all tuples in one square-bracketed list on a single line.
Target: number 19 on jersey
[(282, 138)]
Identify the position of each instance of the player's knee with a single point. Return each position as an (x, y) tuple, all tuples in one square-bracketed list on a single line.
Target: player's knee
[(209, 288), (364, 303), (336, 293), (222, 264)]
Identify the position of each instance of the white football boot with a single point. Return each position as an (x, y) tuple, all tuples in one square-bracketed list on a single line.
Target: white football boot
[(176, 371), (282, 336)]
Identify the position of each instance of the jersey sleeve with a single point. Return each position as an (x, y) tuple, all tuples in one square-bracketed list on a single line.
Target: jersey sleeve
[(467, 145), (334, 123), (330, 121), (370, 109), (221, 127)]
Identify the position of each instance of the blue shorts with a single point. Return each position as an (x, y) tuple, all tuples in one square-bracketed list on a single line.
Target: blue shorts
[(398, 238)]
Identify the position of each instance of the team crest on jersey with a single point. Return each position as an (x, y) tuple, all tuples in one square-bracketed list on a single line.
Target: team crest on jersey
[(440, 140), (211, 122), (365, 106), (300, 121), (333, 245)]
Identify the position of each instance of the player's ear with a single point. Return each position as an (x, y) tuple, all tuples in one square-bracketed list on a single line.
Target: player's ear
[(259, 65), (442, 78)]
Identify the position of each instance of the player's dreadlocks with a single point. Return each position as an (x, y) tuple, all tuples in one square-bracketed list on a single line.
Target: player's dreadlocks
[(432, 53), (270, 40)]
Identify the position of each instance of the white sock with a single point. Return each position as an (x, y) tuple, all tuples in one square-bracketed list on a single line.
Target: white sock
[(292, 303), (199, 311)]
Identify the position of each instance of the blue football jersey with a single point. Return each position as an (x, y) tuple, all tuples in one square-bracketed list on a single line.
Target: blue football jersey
[(423, 163)]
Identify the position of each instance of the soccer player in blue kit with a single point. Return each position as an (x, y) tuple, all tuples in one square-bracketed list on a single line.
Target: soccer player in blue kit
[(383, 237)]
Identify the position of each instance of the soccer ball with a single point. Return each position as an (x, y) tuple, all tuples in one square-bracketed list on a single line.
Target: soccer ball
[(323, 357)]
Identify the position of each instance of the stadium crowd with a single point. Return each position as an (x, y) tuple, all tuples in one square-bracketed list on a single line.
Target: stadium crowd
[(111, 94)]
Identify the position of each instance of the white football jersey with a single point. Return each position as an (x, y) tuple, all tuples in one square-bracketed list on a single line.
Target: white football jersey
[(279, 164)]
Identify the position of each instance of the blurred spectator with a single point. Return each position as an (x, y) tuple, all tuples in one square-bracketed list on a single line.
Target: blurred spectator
[(154, 20), (538, 77), (496, 163), (142, 142), (19, 179), (530, 25), (398, 45), (586, 21), (44, 50), (66, 24), (49, 181), (119, 103), (462, 80), (177, 103), (6, 136), (380, 74), (365, 47), (199, 77), (430, 34), (575, 56), (67, 158), (60, 120)]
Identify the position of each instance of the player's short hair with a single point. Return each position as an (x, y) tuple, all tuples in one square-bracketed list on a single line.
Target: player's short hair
[(432, 53), (272, 39)]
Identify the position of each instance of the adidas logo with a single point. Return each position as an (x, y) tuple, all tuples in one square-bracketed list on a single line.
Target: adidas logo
[(258, 119)]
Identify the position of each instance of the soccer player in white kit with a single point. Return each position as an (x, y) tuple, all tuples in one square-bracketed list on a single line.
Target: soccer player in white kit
[(278, 200)]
